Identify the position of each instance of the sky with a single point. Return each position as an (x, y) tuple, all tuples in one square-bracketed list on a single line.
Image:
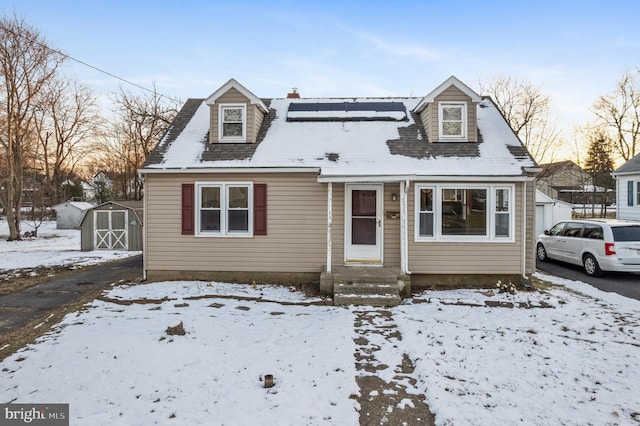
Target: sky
[(573, 51)]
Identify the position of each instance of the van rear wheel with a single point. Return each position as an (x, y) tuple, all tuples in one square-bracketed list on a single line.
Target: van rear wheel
[(591, 266)]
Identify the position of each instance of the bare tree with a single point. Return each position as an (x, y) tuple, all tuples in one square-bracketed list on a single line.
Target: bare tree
[(67, 119), (27, 64), (141, 122), (618, 114), (528, 112)]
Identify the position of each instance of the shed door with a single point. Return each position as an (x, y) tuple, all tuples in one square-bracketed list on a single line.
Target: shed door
[(363, 230), (110, 229)]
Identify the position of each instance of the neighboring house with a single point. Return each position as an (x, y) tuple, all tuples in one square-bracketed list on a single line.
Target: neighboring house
[(561, 179), (113, 225), (566, 181), (438, 188), (550, 211), (628, 189), (69, 214)]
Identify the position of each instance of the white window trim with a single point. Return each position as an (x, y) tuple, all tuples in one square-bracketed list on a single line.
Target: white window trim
[(232, 139), (224, 209), (457, 138), (437, 214)]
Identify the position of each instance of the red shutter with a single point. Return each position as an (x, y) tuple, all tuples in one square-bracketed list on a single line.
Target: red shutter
[(188, 206), (259, 209)]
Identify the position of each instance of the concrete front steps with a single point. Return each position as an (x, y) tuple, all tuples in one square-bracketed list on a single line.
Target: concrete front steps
[(367, 286)]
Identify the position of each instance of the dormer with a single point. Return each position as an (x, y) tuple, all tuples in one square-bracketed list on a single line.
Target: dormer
[(236, 114), (449, 112)]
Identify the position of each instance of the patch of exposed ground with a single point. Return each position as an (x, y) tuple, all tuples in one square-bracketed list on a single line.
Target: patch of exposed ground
[(382, 402)]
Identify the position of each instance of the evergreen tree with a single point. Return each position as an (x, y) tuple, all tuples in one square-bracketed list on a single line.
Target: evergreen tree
[(599, 165)]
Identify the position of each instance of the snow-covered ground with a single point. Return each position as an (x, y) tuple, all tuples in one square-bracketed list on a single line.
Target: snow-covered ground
[(568, 355), (52, 247)]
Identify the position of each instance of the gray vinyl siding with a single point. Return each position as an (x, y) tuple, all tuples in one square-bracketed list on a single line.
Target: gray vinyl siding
[(429, 115), (296, 227), (435, 257), (391, 226), (134, 228), (254, 115), (337, 225)]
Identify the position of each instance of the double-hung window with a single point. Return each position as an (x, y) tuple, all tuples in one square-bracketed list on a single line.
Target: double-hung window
[(503, 212), (464, 213), (224, 209), (232, 123), (452, 117), (425, 212)]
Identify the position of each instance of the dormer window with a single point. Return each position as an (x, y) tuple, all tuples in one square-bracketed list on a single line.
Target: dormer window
[(453, 121), (232, 123)]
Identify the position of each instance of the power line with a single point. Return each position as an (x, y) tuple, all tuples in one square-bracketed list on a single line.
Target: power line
[(60, 52)]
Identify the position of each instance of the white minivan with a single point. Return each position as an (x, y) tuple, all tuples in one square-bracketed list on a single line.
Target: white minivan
[(595, 244)]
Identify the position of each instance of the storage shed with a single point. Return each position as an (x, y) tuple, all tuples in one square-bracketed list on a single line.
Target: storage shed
[(550, 211), (69, 214), (114, 225)]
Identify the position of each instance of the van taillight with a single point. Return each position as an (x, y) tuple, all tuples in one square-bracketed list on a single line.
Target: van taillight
[(609, 249)]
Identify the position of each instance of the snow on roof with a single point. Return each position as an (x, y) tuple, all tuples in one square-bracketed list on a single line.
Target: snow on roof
[(353, 148), (80, 205)]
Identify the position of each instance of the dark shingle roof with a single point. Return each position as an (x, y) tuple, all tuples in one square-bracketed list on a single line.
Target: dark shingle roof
[(633, 165), (177, 126), (238, 151), (413, 143)]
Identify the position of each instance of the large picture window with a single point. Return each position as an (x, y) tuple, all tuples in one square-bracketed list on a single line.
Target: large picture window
[(224, 209), (232, 123), (460, 212)]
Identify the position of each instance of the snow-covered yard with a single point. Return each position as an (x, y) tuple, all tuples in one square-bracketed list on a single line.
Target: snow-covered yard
[(52, 247), (567, 355)]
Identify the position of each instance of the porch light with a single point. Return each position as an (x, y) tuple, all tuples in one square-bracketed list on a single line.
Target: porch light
[(394, 196)]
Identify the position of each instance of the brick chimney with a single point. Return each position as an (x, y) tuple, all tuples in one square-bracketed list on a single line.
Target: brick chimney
[(294, 94)]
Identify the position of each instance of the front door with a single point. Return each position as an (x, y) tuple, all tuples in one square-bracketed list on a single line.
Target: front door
[(363, 223)]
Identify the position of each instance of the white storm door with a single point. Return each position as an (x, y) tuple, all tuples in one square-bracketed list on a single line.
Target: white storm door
[(363, 223), (110, 229)]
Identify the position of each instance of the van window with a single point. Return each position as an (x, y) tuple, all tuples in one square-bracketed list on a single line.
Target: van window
[(557, 229), (593, 232), (626, 233), (573, 229)]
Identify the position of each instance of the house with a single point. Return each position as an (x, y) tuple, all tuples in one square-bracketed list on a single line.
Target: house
[(69, 214), (562, 179), (112, 225), (550, 211), (437, 189), (567, 181), (627, 179)]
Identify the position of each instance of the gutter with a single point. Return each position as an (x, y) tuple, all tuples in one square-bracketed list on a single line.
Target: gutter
[(434, 178), (212, 170)]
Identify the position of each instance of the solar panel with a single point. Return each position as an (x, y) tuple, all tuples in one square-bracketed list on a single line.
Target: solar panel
[(346, 111)]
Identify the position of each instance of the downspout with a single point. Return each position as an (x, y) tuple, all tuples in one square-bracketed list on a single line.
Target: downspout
[(524, 230), (404, 229), (144, 232), (329, 222)]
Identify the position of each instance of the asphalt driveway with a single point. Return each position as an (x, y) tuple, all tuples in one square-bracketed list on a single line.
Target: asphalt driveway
[(22, 311)]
